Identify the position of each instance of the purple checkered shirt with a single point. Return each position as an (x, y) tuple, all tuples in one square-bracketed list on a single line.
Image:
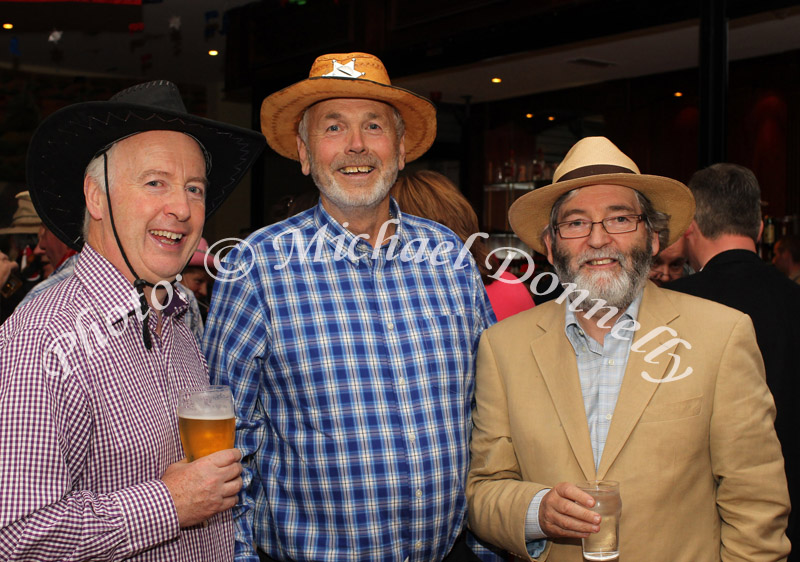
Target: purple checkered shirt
[(88, 424)]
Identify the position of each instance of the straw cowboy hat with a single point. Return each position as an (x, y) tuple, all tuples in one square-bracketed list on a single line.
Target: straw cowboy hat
[(351, 75), (596, 161), (25, 219), (70, 138)]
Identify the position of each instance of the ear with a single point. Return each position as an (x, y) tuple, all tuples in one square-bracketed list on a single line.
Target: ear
[(302, 152), (656, 243), (95, 197), (760, 231), (548, 242), (401, 153)]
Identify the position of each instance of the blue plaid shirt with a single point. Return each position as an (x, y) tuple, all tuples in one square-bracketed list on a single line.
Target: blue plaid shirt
[(352, 372)]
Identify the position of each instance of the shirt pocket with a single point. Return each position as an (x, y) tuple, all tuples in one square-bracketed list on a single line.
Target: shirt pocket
[(447, 360)]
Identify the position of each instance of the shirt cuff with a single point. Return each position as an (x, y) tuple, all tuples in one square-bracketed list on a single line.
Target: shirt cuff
[(149, 513), (532, 529)]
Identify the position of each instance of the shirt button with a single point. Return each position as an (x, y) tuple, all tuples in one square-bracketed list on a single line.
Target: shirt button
[(609, 416), (401, 381), (418, 544), (610, 361), (583, 349), (377, 275), (419, 494), (389, 326), (412, 437)]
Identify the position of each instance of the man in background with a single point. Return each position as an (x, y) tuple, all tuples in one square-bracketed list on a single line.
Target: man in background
[(787, 257), (721, 246), (669, 264)]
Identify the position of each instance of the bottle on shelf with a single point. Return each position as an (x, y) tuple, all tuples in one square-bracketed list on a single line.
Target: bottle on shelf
[(768, 238)]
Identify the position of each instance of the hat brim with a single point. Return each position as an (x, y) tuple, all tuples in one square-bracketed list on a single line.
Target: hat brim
[(64, 144), (529, 216), (281, 112)]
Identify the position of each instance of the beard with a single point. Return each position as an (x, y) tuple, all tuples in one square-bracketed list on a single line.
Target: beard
[(365, 198), (617, 289)]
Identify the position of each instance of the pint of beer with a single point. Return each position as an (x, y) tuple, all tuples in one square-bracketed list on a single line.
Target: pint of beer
[(206, 420)]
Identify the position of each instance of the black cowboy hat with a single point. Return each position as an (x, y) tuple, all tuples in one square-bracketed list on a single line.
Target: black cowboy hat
[(70, 138)]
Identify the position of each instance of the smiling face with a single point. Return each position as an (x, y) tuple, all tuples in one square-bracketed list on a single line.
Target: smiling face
[(353, 152), (158, 184), (612, 267)]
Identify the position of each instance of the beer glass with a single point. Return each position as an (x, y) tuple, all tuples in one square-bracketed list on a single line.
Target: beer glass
[(604, 544), (205, 420)]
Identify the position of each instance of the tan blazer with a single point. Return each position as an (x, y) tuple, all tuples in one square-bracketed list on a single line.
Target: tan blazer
[(700, 468)]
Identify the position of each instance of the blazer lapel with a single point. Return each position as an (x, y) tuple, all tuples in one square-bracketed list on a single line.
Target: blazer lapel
[(556, 360), (641, 376)]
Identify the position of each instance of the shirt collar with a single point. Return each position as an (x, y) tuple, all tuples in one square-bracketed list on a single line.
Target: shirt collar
[(337, 236), (111, 292), (571, 321)]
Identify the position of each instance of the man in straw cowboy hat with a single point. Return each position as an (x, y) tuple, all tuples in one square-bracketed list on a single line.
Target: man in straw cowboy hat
[(349, 340), (25, 223), (621, 380), (90, 455)]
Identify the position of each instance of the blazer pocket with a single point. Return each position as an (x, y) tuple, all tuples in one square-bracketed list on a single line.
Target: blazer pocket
[(672, 410)]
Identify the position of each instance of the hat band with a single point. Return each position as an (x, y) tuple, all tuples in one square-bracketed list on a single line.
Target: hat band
[(594, 170)]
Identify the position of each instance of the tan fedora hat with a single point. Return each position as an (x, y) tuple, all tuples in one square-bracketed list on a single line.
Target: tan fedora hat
[(351, 75), (597, 161), (25, 219)]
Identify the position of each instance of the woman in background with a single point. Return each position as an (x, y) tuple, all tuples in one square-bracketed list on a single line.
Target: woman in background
[(433, 196)]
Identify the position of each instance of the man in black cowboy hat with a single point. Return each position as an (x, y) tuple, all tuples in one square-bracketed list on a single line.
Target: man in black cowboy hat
[(90, 454), (348, 334), (621, 380)]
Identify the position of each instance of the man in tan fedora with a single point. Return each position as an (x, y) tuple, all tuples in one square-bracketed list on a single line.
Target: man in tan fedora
[(621, 380), (348, 333)]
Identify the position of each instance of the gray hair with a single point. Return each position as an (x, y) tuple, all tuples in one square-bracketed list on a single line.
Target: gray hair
[(399, 124), (654, 221), (727, 201), (96, 170)]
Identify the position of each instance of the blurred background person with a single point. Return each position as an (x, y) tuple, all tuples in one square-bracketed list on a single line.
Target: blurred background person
[(787, 257), (60, 260), (25, 268), (197, 276), (433, 196), (670, 264)]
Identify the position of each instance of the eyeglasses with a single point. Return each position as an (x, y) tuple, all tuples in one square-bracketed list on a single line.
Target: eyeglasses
[(581, 228)]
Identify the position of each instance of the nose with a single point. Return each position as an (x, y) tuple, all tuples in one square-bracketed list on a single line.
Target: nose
[(356, 142), (598, 237), (178, 205)]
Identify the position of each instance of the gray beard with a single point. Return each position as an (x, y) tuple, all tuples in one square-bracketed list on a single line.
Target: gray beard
[(343, 199), (617, 290)]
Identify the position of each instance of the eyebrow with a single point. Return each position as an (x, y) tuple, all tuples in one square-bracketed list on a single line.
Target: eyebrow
[(337, 115), (610, 208), (201, 179)]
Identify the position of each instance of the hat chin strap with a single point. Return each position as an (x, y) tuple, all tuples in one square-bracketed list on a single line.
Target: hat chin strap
[(139, 283)]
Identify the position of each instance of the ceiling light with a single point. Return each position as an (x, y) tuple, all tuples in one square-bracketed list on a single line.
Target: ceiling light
[(529, 115), (551, 118), (8, 26), (213, 52), (678, 94), (496, 80)]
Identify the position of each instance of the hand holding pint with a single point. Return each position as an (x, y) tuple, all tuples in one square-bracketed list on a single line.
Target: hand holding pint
[(603, 545), (206, 420)]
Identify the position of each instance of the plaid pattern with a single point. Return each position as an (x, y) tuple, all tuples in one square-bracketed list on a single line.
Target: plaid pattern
[(353, 380), (87, 429), (191, 317), (600, 368)]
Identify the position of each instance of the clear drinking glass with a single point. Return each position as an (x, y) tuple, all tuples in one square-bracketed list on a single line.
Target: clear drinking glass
[(603, 545), (206, 420)]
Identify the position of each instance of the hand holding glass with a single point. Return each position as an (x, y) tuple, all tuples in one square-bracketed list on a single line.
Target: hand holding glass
[(604, 544), (206, 420)]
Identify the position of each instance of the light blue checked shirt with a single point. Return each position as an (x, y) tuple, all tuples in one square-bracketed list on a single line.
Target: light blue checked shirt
[(600, 369), (352, 375)]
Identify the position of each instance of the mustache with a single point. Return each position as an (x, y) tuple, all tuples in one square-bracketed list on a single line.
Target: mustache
[(590, 255), (365, 160)]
